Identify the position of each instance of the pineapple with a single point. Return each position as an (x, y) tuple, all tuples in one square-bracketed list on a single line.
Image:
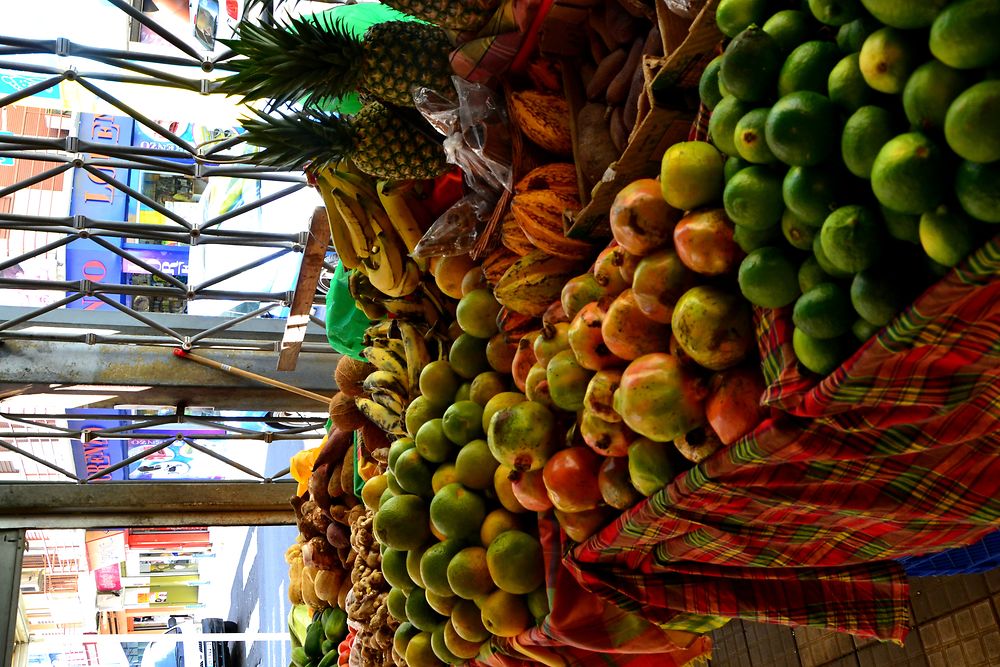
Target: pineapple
[(467, 15), (385, 142), (317, 59)]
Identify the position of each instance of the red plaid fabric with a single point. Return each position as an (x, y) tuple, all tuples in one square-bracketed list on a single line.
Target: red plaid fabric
[(894, 454), (583, 630), (494, 49)]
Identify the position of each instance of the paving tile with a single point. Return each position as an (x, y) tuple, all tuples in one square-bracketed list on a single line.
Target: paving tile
[(982, 615), (936, 659), (991, 644), (946, 629), (972, 648), (993, 580), (929, 636)]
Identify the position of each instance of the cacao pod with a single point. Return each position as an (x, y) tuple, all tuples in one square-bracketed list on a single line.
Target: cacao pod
[(544, 119), (539, 213), (513, 238), (534, 281), (496, 263), (558, 176)]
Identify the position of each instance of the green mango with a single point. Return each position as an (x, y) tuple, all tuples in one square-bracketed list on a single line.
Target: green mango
[(313, 644), (335, 623)]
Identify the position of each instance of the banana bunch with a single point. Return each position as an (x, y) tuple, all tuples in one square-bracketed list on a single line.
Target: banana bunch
[(399, 350), (373, 229), (426, 306)]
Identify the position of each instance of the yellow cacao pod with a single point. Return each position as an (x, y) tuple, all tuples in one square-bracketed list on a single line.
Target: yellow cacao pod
[(513, 238), (544, 119), (534, 281), (539, 214), (496, 263), (558, 176)]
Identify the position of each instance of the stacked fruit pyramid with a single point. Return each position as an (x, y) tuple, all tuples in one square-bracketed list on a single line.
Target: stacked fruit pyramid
[(864, 155)]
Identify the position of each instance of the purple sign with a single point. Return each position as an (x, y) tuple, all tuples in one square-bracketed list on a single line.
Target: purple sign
[(172, 260)]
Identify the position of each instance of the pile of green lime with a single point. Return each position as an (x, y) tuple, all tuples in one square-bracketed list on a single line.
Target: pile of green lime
[(863, 148)]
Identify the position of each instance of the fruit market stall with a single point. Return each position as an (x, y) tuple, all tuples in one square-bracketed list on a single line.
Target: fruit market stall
[(661, 314)]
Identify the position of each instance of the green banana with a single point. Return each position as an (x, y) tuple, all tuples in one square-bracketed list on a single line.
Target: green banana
[(335, 624), (299, 656), (381, 416), (329, 659), (314, 640)]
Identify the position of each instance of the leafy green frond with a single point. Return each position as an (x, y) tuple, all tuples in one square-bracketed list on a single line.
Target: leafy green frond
[(291, 139), (310, 59)]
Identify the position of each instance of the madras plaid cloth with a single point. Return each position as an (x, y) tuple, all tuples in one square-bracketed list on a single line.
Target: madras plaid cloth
[(582, 630), (490, 52), (892, 455)]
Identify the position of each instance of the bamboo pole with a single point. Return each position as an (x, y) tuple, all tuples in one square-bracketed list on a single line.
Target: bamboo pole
[(211, 363)]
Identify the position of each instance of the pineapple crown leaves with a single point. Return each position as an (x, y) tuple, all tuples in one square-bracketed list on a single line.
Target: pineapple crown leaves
[(291, 139), (311, 59)]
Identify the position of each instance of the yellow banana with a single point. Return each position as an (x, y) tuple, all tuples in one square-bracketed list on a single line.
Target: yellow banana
[(415, 308), (394, 345), (379, 380), (379, 330), (417, 354), (381, 416), (357, 222), (391, 400), (408, 282), (387, 267), (405, 223), (339, 232), (387, 360)]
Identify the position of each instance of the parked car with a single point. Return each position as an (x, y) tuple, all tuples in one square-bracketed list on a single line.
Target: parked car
[(209, 654)]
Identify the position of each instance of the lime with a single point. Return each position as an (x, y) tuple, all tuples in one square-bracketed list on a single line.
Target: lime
[(947, 235), (749, 137), (468, 622), (420, 653), (929, 92), (811, 274), (475, 465), (402, 523), (462, 422), (413, 473), (464, 392), (749, 239), (457, 512), (977, 187), (392, 486), (789, 28), (901, 226), (852, 238), (888, 56), (691, 174), (397, 448), (750, 65), (735, 16), (752, 198), (420, 614), (469, 575), (468, 356), (865, 132), (768, 278), (487, 385), (820, 356), (462, 648), (835, 12), (863, 329), (434, 566), (505, 614), (877, 297), (851, 36), (722, 124), (808, 67), (438, 382), (708, 85), (798, 234), (538, 603), (477, 313), (903, 13), (823, 312), (394, 570), (395, 602), (970, 126), (733, 166), (431, 442), (421, 410), (802, 128), (908, 174), (824, 263), (413, 557), (810, 193), (445, 474), (846, 86), (404, 633), (964, 34), (441, 650), (515, 562)]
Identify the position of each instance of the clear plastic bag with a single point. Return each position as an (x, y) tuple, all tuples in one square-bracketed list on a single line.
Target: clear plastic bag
[(477, 139), (686, 8)]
